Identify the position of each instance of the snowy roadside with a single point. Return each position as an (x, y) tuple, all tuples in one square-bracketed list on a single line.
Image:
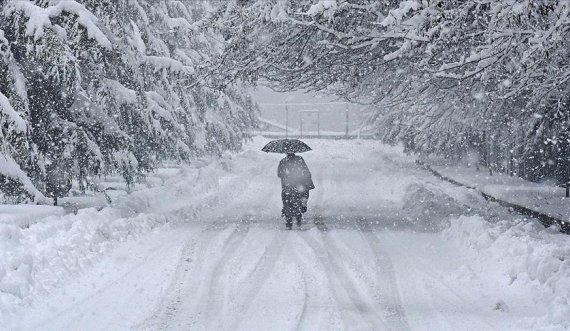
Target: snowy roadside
[(512, 251), (543, 198), (41, 248), (522, 256), (25, 215), (527, 264)]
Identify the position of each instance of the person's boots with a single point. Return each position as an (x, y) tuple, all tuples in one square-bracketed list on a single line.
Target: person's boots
[(299, 219), (289, 223)]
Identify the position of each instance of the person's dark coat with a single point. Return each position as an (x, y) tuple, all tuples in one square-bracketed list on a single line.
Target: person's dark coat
[(295, 174), (296, 182)]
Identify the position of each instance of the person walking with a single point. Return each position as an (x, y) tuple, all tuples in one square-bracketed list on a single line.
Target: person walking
[(296, 182), (295, 178)]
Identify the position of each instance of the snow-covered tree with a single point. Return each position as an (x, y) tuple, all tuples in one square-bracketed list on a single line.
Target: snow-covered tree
[(94, 87), (453, 74)]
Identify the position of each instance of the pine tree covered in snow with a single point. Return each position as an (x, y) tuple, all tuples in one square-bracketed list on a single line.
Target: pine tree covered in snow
[(97, 87)]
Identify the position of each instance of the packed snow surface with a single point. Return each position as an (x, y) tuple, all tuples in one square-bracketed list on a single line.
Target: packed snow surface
[(385, 246)]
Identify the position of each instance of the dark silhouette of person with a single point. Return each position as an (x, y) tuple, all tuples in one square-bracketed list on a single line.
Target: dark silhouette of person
[(296, 183)]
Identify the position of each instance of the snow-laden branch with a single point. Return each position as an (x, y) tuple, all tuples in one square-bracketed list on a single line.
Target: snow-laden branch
[(6, 110), (40, 18), (9, 168)]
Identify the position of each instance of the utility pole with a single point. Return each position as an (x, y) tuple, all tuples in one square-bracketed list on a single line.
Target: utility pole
[(301, 122), (286, 120), (360, 122), (319, 124), (346, 128)]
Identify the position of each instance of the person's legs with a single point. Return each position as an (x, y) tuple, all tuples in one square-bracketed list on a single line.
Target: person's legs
[(288, 208), (294, 205), (288, 198), (284, 199), (289, 222), (304, 200)]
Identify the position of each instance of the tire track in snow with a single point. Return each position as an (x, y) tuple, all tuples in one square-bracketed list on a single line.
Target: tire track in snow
[(344, 290), (191, 297), (379, 294), (315, 290), (387, 285), (432, 285), (166, 308), (257, 278), (217, 283)]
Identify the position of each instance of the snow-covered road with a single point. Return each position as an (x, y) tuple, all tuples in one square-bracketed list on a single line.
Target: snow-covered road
[(385, 246)]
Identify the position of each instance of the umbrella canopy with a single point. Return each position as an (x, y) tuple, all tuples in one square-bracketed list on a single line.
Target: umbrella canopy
[(285, 146)]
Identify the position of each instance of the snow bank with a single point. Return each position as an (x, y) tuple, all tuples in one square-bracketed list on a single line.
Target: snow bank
[(535, 262), (429, 208), (45, 254), (35, 259), (25, 215)]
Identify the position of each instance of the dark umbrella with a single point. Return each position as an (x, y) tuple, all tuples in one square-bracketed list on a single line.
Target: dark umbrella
[(285, 146)]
